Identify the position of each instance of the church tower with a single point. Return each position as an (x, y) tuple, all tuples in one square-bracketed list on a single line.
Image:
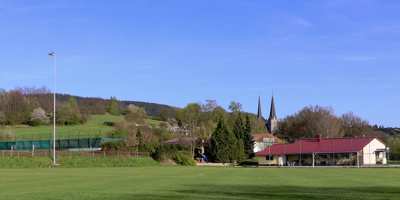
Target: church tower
[(272, 120)]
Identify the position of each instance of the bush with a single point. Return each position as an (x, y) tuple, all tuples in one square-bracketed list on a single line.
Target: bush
[(165, 152), (35, 122), (184, 158), (109, 123), (111, 146)]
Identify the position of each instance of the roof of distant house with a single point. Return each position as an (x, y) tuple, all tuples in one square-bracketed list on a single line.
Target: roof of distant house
[(256, 137), (260, 137), (182, 139)]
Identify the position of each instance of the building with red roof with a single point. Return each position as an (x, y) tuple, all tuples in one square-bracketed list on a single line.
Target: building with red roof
[(322, 152)]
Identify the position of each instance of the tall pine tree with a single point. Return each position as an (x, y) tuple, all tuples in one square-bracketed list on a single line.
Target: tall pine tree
[(224, 145), (238, 130), (239, 133), (248, 139)]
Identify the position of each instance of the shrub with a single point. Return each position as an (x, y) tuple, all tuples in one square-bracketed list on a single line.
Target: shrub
[(35, 122), (109, 123), (184, 158), (165, 152), (111, 146)]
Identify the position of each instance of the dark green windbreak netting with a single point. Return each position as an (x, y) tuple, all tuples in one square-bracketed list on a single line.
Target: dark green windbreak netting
[(60, 144)]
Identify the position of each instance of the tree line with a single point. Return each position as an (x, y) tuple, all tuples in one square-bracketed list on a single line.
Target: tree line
[(32, 106), (318, 120)]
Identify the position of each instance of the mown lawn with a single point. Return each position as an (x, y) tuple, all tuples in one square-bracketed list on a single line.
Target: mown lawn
[(200, 183), (93, 128)]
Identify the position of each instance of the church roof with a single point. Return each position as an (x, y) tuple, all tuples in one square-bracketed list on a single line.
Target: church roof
[(272, 113)]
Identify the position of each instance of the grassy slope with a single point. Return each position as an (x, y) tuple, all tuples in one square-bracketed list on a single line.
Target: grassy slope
[(67, 162), (93, 128), (200, 183)]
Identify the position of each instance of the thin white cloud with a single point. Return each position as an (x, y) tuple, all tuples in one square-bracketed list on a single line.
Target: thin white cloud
[(301, 21), (357, 58)]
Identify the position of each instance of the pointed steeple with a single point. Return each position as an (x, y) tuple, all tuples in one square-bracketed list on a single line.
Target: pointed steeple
[(259, 114), (272, 120), (272, 113)]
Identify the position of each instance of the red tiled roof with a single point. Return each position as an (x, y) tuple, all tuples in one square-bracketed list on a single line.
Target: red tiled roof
[(182, 139), (336, 145)]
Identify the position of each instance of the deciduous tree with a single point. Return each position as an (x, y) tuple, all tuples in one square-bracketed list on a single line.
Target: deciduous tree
[(353, 125), (191, 118), (112, 106), (235, 107), (311, 121), (40, 114)]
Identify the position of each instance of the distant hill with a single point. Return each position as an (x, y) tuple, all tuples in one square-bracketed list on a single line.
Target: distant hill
[(392, 131), (96, 105)]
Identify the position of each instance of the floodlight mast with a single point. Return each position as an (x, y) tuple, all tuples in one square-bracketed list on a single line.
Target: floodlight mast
[(54, 107)]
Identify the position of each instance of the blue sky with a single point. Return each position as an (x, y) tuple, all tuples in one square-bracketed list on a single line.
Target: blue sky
[(343, 54)]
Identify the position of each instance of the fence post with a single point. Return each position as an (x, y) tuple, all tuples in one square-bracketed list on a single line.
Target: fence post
[(388, 153), (93, 154)]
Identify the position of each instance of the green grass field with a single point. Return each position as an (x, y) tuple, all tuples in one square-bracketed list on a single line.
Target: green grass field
[(200, 183), (93, 128)]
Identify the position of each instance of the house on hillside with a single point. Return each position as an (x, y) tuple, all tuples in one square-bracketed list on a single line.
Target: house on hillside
[(325, 152), (262, 141)]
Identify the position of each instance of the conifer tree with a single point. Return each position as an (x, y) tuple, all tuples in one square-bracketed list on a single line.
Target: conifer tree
[(238, 131), (248, 138), (241, 151), (223, 144)]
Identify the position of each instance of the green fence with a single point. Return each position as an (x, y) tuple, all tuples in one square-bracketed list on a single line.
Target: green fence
[(60, 144)]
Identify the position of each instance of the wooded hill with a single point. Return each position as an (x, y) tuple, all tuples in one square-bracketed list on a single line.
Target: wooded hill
[(19, 105), (152, 109)]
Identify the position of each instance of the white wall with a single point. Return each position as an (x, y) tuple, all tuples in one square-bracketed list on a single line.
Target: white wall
[(369, 151)]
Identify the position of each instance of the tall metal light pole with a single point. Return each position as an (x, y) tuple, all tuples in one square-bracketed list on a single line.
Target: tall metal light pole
[(54, 108)]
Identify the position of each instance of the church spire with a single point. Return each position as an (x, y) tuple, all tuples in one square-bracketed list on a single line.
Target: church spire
[(259, 114), (272, 113), (272, 120)]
